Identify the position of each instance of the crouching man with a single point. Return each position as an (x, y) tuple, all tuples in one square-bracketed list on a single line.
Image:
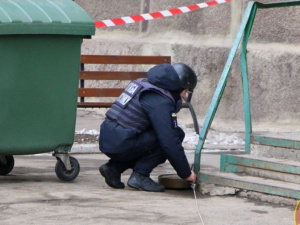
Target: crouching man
[(140, 130)]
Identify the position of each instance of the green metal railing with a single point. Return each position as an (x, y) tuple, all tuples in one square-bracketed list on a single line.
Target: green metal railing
[(242, 37)]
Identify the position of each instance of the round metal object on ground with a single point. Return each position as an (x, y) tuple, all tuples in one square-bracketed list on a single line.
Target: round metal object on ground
[(172, 181)]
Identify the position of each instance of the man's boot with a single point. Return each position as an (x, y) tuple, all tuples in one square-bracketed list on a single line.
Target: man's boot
[(145, 183), (112, 176)]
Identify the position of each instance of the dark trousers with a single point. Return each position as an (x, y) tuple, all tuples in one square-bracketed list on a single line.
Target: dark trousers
[(142, 156)]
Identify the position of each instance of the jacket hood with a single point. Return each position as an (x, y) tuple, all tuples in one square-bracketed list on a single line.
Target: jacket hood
[(165, 77)]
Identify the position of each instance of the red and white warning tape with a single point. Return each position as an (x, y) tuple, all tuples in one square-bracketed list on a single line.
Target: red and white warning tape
[(155, 15)]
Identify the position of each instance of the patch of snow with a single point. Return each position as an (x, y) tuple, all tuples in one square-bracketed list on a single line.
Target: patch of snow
[(191, 137), (213, 138), (89, 132)]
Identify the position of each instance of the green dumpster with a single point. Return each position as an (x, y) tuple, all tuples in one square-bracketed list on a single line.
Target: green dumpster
[(40, 42)]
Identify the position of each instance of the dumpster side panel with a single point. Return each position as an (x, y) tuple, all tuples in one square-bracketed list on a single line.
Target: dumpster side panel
[(38, 92)]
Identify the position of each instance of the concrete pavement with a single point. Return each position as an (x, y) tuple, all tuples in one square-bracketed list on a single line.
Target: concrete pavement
[(32, 194)]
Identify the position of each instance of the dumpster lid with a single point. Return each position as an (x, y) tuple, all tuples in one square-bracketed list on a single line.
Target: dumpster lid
[(44, 17)]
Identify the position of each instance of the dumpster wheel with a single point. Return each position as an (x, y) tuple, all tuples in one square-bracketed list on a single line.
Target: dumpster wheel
[(65, 174), (7, 163)]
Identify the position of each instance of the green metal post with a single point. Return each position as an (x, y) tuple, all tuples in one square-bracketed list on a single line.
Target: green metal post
[(220, 89), (244, 31), (244, 66), (244, 70)]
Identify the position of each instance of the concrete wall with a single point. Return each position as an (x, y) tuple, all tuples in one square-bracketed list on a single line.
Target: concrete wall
[(203, 39)]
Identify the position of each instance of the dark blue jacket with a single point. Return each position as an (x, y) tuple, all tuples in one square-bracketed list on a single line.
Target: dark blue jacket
[(159, 109)]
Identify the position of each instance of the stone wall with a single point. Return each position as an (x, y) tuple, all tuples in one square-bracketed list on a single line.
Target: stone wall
[(203, 39)]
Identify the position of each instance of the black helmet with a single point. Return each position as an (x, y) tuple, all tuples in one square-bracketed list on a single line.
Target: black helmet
[(186, 75)]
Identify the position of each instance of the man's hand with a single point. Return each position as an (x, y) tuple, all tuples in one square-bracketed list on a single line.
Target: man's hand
[(192, 178)]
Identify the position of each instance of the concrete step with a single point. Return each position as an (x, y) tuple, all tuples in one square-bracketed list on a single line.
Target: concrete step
[(271, 168), (275, 152), (282, 145), (250, 183), (277, 139)]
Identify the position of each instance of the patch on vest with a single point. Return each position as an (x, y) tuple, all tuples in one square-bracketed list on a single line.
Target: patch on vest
[(130, 91), (174, 120)]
